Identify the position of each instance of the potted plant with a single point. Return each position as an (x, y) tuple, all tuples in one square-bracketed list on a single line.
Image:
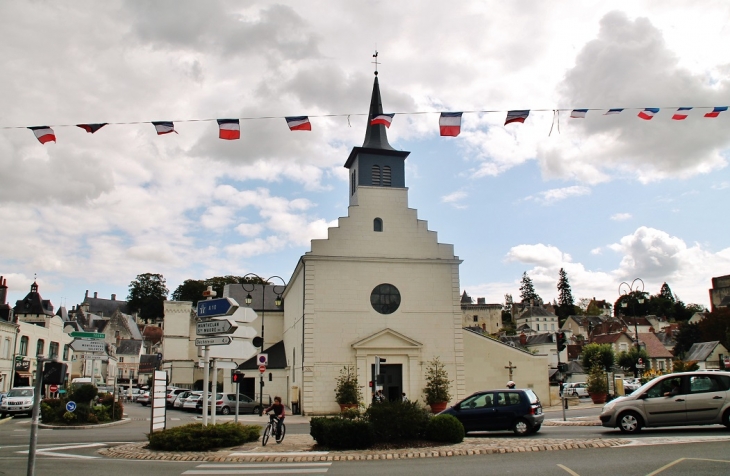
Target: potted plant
[(437, 386), (597, 385), (347, 390)]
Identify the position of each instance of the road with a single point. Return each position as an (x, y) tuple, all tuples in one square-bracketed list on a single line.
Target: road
[(647, 452)]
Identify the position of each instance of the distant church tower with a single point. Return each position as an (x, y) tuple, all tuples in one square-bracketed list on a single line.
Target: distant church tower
[(380, 285)]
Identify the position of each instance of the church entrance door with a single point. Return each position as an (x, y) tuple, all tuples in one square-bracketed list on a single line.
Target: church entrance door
[(391, 380)]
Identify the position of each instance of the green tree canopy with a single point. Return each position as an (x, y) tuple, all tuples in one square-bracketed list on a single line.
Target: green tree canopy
[(598, 354), (566, 305), (633, 306), (628, 360), (527, 291), (147, 293), (192, 289)]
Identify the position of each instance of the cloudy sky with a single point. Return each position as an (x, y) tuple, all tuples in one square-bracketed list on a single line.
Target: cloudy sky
[(608, 198)]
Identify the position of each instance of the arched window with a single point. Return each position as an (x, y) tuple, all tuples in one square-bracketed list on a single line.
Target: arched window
[(376, 175), (386, 176), (39, 347), (377, 224), (23, 346)]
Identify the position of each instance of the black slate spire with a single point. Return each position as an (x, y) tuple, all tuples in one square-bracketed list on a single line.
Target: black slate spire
[(376, 136)]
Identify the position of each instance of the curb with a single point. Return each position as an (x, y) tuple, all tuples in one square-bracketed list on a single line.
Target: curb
[(137, 451), (84, 427)]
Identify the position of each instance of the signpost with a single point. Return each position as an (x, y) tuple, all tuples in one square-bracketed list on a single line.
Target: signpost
[(216, 326), (217, 307), (70, 406), (88, 345), (158, 401), (87, 335), (217, 340), (262, 368), (53, 388)]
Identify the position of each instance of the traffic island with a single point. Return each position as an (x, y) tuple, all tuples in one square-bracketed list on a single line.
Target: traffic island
[(296, 448)]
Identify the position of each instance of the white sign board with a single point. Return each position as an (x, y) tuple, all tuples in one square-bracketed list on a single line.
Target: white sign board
[(216, 326), (217, 340), (158, 401), (88, 345)]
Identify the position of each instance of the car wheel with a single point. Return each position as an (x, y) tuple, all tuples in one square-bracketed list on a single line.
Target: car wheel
[(521, 427), (629, 422), (225, 411), (143, 404), (255, 410), (575, 393), (726, 418)]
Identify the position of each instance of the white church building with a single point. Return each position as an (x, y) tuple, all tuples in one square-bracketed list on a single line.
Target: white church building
[(379, 285)]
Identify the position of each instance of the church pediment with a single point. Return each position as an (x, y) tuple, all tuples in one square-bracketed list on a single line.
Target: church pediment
[(387, 339)]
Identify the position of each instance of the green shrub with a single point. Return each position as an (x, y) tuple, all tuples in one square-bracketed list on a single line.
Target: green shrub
[(48, 414), (70, 417), (118, 411), (91, 418), (445, 428), (196, 437), (397, 421), (106, 399), (52, 410), (342, 433), (84, 393)]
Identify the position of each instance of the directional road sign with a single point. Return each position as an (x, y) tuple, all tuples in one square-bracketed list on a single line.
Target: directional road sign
[(87, 335), (70, 406), (217, 340), (217, 307), (216, 326), (88, 345)]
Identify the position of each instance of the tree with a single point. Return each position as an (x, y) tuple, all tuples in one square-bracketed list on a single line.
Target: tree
[(527, 291), (716, 326), (147, 293), (628, 360), (688, 334), (633, 306), (566, 306), (192, 289), (507, 309), (598, 354)]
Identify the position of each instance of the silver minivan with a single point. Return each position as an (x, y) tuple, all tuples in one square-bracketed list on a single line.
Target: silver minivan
[(687, 398)]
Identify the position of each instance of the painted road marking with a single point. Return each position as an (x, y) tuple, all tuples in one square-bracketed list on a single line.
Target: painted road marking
[(291, 453), (568, 470), (261, 468), (52, 451)]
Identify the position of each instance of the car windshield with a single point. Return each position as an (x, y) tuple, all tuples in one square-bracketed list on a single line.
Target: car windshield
[(21, 392)]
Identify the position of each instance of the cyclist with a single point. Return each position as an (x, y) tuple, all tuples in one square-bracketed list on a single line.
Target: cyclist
[(279, 413)]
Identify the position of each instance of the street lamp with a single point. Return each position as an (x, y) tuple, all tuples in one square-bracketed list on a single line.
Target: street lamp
[(627, 289), (278, 302)]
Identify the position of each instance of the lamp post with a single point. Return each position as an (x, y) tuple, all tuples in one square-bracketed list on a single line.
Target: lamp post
[(278, 302), (626, 289)]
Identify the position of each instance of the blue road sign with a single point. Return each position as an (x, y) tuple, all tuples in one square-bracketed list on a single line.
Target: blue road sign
[(217, 307), (71, 406)]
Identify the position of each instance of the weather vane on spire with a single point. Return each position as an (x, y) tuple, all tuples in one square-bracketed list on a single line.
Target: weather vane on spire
[(376, 62)]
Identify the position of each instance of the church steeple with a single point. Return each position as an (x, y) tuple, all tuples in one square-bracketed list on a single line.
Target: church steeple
[(376, 136)]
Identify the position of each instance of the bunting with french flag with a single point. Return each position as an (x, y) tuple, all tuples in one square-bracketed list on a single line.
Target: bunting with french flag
[(43, 134), (91, 128), (648, 113), (681, 113), (450, 123), (516, 116), (164, 127), (298, 123), (716, 111), (382, 119), (229, 129), (578, 113), (611, 112)]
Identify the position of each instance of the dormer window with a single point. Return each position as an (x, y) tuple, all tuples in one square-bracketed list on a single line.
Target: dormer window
[(377, 224)]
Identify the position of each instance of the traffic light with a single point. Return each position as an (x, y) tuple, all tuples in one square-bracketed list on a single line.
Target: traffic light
[(561, 341), (54, 373), (236, 376)]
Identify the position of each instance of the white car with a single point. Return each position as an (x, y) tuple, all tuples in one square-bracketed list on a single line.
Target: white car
[(631, 384), (191, 402), (576, 389), (180, 399), (18, 400)]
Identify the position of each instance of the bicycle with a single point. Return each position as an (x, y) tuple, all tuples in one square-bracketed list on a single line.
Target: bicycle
[(271, 429)]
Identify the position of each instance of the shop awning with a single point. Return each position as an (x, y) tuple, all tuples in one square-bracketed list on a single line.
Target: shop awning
[(23, 374)]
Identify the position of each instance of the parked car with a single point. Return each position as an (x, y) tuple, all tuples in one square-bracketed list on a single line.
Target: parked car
[(191, 403), (631, 384), (687, 398), (180, 399), (18, 400), (495, 410), (2, 395), (577, 389), (172, 393), (144, 398), (225, 404)]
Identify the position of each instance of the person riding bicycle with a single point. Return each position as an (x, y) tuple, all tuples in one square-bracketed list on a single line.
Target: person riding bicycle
[(279, 413)]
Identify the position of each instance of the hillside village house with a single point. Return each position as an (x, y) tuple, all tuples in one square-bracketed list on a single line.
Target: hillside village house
[(707, 355), (379, 285), (660, 359)]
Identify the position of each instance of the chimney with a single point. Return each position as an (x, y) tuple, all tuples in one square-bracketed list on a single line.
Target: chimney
[(96, 294), (114, 297), (523, 338), (481, 300), (3, 290), (86, 295)]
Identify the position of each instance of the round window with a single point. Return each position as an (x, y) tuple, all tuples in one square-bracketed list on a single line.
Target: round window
[(385, 298)]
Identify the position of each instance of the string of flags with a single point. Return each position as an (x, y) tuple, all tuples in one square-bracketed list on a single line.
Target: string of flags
[(449, 122)]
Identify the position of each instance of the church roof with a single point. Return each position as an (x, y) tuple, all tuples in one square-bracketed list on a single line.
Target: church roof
[(376, 137), (33, 303), (277, 358)]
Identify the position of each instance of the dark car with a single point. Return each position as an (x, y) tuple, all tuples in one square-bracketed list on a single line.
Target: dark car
[(497, 410)]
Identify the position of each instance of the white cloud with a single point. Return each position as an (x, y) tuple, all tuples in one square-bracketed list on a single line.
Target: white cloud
[(620, 216), (549, 197), (455, 198), (597, 251)]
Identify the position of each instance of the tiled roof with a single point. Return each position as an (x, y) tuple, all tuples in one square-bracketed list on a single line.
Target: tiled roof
[(129, 347), (609, 338), (700, 351), (105, 307), (654, 347)]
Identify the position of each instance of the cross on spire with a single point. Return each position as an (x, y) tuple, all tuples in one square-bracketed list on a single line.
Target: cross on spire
[(376, 62)]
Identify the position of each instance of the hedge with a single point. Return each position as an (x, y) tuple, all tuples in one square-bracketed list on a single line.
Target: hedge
[(445, 428), (196, 437)]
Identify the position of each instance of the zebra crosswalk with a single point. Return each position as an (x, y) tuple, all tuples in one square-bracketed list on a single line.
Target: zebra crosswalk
[(260, 468)]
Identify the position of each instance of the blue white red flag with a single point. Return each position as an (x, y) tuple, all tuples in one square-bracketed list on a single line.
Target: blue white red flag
[(43, 134), (681, 113), (91, 128), (383, 119), (610, 112), (516, 116), (648, 113), (716, 111), (229, 129), (299, 123), (578, 113), (164, 127), (450, 123)]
